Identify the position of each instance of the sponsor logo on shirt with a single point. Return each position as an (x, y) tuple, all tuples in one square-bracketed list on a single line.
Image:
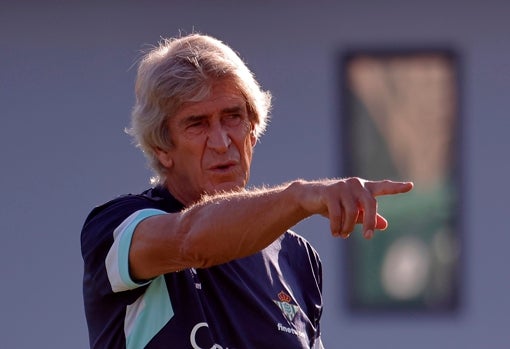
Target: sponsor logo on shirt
[(293, 331), (193, 339)]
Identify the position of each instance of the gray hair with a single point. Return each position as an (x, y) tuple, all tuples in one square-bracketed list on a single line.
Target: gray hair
[(181, 70)]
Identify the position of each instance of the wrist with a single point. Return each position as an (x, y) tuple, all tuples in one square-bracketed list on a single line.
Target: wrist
[(297, 192)]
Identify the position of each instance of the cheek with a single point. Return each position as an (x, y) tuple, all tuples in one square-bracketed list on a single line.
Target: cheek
[(248, 150), (188, 165)]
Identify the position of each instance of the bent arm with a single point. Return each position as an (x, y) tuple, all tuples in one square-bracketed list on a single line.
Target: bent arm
[(229, 226), (216, 230)]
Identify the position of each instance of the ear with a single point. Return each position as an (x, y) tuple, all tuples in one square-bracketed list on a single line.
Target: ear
[(253, 138), (164, 157)]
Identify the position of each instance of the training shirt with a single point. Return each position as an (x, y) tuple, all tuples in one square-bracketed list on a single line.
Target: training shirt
[(271, 299)]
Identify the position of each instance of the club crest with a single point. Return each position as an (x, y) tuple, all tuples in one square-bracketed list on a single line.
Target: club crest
[(284, 303)]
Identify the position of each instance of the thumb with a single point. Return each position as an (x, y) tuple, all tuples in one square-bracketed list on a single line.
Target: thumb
[(380, 222)]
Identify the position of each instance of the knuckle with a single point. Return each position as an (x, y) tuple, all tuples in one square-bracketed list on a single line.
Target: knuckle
[(370, 200), (354, 180), (356, 183)]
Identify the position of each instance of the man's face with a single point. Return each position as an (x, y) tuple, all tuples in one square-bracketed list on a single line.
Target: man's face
[(213, 145)]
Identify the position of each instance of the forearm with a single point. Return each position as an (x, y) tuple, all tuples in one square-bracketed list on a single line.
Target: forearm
[(215, 230), (230, 226)]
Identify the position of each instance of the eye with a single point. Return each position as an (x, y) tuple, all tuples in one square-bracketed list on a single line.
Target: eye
[(196, 126), (233, 119)]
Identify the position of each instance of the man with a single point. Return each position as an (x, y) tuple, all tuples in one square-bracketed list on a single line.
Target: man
[(198, 261)]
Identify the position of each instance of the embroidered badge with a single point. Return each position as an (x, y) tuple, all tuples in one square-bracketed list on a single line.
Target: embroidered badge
[(284, 303)]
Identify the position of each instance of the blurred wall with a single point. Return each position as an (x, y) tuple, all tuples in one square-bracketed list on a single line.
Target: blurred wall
[(66, 82)]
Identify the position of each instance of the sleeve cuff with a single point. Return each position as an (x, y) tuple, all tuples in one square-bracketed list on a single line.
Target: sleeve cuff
[(117, 260)]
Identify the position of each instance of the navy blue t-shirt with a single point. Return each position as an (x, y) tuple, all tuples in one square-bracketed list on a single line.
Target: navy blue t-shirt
[(271, 299)]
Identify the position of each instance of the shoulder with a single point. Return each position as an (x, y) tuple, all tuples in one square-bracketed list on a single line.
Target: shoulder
[(122, 206), (103, 219), (119, 208)]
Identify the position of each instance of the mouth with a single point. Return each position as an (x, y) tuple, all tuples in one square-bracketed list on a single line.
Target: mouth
[(223, 166)]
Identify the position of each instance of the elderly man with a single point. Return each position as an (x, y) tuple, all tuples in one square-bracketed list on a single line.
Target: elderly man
[(197, 260)]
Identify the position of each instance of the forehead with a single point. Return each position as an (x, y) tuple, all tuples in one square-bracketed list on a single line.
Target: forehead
[(222, 95)]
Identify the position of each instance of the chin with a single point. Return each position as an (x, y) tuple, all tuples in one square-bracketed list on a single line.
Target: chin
[(229, 186)]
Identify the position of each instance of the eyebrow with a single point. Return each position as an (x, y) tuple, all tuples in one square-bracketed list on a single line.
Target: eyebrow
[(191, 119), (198, 117), (235, 109)]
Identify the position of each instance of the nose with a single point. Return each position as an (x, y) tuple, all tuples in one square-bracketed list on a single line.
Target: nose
[(218, 138)]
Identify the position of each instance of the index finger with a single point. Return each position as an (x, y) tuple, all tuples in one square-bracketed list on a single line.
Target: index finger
[(387, 187)]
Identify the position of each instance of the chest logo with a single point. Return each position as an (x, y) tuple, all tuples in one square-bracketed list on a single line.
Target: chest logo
[(284, 303)]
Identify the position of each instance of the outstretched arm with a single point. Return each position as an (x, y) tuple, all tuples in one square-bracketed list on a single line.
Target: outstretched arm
[(228, 226)]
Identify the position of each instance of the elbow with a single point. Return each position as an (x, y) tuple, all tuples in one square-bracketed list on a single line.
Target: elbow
[(197, 254), (199, 246)]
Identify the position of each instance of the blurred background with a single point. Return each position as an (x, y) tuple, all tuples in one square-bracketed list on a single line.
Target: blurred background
[(66, 91)]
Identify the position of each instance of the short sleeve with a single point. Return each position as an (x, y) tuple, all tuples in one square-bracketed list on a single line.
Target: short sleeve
[(117, 259)]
